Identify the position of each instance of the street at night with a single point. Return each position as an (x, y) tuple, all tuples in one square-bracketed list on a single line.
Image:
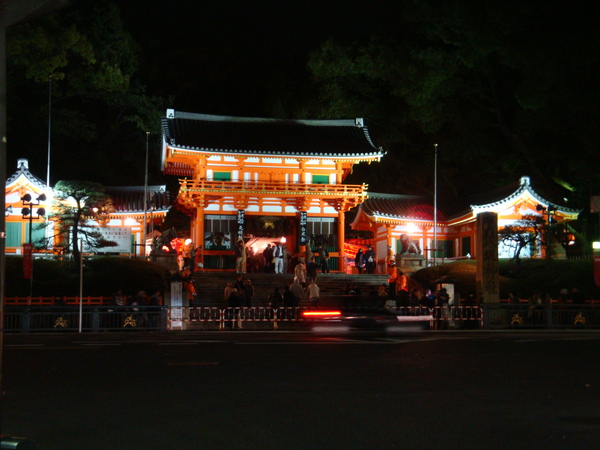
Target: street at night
[(292, 389)]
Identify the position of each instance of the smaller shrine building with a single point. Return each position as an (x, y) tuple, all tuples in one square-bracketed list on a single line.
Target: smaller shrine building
[(398, 219), (124, 225)]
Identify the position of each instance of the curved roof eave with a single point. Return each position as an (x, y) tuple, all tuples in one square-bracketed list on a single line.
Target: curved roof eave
[(525, 187), (374, 156), (342, 139), (24, 172)]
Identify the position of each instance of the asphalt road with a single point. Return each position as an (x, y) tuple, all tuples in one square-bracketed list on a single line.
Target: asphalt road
[(468, 390)]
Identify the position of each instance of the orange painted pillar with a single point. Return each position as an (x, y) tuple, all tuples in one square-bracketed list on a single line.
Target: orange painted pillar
[(341, 239), (199, 236)]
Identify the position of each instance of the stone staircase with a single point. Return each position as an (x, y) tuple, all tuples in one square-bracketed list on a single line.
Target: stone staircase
[(211, 285)]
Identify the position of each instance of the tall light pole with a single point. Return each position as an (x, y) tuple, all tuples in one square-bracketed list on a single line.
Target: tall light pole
[(80, 284), (27, 211), (435, 206), (49, 127), (145, 198)]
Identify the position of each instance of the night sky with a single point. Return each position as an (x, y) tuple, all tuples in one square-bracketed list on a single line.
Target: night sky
[(250, 44), (228, 57)]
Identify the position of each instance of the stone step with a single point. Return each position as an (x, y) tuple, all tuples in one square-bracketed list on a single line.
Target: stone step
[(211, 285)]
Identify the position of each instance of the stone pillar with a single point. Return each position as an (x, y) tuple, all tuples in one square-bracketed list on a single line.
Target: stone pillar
[(388, 230), (486, 251)]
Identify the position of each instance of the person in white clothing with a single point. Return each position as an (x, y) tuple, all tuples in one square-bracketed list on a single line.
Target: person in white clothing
[(300, 273), (278, 255), (313, 293)]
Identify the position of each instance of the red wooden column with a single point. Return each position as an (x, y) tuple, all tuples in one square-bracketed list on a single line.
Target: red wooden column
[(341, 239)]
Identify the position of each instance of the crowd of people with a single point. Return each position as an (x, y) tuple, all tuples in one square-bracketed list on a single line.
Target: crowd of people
[(275, 258), (140, 305), (240, 294), (365, 261)]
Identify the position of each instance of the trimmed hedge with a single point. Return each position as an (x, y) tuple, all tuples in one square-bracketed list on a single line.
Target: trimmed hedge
[(531, 275), (102, 276)]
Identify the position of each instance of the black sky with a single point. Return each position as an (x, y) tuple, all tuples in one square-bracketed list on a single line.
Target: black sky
[(247, 44), (227, 57), (232, 57)]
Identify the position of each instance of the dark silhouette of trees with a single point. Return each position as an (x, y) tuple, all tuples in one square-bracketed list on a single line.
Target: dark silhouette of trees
[(75, 204), (506, 89)]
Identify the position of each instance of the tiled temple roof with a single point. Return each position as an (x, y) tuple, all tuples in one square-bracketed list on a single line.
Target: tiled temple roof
[(130, 199), (347, 139), (513, 191), (23, 170), (409, 207)]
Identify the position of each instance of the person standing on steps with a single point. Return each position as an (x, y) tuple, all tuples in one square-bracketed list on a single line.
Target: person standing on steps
[(371, 260), (324, 259)]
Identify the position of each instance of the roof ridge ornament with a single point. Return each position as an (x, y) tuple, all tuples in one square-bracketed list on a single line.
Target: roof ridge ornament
[(359, 121), (525, 181)]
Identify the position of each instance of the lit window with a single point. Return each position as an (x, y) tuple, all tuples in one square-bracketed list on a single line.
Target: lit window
[(222, 176), (320, 179)]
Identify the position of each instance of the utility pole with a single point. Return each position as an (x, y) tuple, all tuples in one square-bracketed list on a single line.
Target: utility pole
[(144, 230), (435, 177)]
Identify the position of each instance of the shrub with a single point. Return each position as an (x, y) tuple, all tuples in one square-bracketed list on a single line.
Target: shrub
[(101, 277), (533, 274)]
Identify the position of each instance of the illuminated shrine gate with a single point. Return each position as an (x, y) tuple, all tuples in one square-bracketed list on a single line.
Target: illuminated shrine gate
[(265, 178)]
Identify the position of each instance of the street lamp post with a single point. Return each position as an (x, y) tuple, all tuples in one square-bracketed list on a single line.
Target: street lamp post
[(27, 211), (144, 231), (80, 284), (435, 206)]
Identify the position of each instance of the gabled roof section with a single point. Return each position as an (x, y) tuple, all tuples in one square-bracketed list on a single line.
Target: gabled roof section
[(23, 171), (130, 199), (390, 207), (345, 139), (510, 194), (409, 207)]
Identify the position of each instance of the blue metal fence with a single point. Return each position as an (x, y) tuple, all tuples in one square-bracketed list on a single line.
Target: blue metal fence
[(525, 316), (111, 318), (100, 318)]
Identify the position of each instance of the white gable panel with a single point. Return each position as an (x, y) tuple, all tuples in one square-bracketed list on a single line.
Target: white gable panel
[(272, 209)]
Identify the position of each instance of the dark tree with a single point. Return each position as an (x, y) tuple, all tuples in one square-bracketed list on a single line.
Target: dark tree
[(100, 112), (75, 204), (505, 88)]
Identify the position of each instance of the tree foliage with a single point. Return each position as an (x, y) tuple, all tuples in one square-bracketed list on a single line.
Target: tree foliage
[(75, 204), (505, 88), (99, 108), (525, 232)]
